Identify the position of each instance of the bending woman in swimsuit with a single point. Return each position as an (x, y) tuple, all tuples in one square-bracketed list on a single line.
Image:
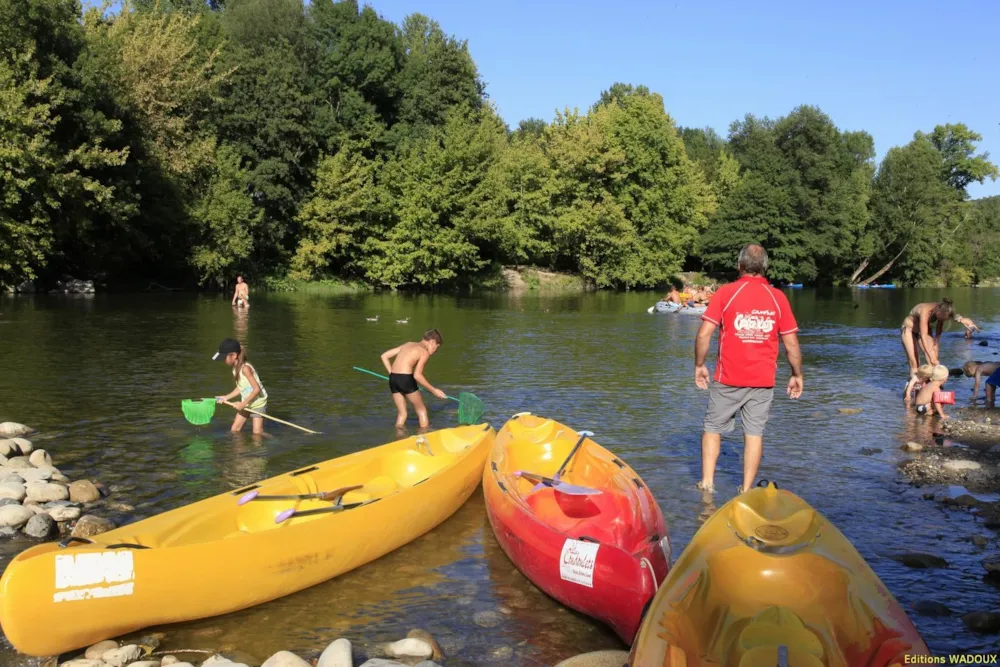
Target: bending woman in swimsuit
[(916, 336)]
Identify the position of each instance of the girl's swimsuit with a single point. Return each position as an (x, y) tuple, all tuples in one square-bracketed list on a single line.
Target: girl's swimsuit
[(246, 388)]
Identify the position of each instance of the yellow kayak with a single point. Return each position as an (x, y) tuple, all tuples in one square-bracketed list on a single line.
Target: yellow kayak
[(242, 548), (768, 581)]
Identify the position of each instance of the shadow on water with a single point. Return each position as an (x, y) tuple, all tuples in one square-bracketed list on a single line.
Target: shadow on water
[(102, 379)]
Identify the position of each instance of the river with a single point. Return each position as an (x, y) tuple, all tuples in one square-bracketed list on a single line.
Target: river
[(102, 378)]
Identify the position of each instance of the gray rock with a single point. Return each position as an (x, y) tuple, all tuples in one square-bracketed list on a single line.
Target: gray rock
[(14, 491), (382, 662), (964, 500), (13, 430), (90, 525), (980, 541), (912, 447), (7, 531), (409, 648), (11, 477), (960, 466), (597, 659), (919, 560), (43, 492), (24, 445), (40, 458), (285, 659), (100, 648), (931, 608), (8, 501), (337, 654), (119, 657), (992, 564), (64, 513), (18, 463), (14, 516), (499, 653), (40, 526), (984, 622), (83, 491)]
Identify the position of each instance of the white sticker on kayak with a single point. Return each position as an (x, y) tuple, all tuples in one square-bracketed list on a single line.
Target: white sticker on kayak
[(577, 561), (94, 571)]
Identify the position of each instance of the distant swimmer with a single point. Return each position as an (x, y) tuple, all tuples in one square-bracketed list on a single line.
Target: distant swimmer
[(241, 297)]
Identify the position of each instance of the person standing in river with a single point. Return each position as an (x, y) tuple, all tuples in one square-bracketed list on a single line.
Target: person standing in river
[(241, 297), (751, 316), (916, 335)]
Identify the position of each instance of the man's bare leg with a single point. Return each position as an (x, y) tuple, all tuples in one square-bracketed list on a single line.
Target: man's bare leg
[(400, 410), (753, 449), (418, 405), (710, 445)]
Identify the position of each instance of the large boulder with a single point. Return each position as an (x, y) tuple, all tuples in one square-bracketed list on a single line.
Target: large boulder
[(337, 654), (43, 492), (84, 491), (14, 516), (40, 526), (13, 490), (24, 445), (40, 458)]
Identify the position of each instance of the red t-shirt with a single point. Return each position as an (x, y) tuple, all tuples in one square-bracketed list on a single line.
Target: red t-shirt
[(752, 315)]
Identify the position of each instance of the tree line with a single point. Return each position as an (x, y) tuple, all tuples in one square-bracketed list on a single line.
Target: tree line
[(186, 141)]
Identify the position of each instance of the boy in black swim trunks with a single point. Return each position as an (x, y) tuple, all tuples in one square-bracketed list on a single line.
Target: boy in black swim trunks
[(406, 375)]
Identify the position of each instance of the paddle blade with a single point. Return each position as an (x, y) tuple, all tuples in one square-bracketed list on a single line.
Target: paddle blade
[(470, 409), (198, 412), (574, 490), (284, 516), (247, 497)]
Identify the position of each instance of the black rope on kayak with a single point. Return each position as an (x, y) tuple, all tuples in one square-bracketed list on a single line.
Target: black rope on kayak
[(763, 483)]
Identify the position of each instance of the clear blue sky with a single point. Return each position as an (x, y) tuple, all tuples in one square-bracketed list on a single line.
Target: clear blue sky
[(887, 67)]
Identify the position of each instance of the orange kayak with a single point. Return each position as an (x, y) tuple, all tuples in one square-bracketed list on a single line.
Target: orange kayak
[(602, 554), (767, 581)]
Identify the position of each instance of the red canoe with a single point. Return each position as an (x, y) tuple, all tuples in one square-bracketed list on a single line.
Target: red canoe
[(604, 554)]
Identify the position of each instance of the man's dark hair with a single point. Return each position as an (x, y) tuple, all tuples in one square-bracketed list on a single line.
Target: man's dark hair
[(433, 335), (753, 260)]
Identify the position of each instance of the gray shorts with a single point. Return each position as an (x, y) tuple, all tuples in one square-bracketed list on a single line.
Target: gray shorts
[(753, 404)]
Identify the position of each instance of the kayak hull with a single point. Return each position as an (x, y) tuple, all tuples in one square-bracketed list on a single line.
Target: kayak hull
[(215, 556), (670, 307), (767, 571), (601, 555)]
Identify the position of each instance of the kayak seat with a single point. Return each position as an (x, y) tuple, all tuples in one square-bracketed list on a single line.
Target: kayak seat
[(450, 442), (577, 516), (778, 626), (538, 434), (779, 530)]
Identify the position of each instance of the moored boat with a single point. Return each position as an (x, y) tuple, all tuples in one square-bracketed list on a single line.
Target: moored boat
[(241, 548), (602, 554), (768, 576)]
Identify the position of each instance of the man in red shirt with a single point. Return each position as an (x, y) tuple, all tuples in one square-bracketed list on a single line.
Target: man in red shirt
[(752, 316)]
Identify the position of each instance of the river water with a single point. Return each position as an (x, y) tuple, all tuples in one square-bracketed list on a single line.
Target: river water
[(102, 377)]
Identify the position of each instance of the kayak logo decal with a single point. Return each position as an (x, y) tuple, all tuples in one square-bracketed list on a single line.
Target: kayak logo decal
[(105, 574), (577, 562), (771, 533)]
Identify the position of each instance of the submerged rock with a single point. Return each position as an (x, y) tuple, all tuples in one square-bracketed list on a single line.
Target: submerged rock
[(960, 465), (992, 564), (850, 411), (980, 541), (869, 451), (918, 560), (931, 608), (597, 659), (985, 622), (912, 447), (84, 662), (337, 654), (487, 619)]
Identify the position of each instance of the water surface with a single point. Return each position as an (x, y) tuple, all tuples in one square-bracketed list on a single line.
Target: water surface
[(102, 378)]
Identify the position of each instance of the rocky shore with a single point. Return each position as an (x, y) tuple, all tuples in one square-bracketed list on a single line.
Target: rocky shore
[(36, 499)]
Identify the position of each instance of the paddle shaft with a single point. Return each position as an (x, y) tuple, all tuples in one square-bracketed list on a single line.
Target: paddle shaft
[(280, 421), (364, 370), (583, 436)]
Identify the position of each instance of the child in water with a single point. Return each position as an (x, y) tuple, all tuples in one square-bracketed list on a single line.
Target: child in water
[(406, 375), (248, 386), (935, 377), (979, 370)]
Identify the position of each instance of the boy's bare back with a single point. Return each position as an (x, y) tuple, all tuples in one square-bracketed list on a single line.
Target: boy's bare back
[(410, 354)]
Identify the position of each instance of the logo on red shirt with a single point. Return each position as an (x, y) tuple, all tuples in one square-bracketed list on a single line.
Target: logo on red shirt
[(755, 326)]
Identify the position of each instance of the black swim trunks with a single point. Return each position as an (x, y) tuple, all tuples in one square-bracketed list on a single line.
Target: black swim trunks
[(402, 383)]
